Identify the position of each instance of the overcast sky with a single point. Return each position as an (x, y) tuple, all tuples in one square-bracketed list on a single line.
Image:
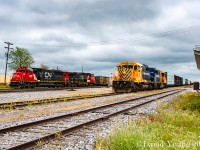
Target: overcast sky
[(98, 34)]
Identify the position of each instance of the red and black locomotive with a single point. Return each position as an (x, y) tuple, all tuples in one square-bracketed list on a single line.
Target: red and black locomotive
[(38, 77)]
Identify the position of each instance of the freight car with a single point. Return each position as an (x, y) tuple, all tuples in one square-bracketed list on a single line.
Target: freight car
[(186, 81), (102, 80), (133, 76), (175, 80)]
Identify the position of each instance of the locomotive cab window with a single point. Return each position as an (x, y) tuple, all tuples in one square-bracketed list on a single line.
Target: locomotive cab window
[(21, 70), (119, 67), (135, 67), (128, 66)]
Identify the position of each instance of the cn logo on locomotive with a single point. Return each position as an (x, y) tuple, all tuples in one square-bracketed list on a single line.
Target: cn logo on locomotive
[(47, 75)]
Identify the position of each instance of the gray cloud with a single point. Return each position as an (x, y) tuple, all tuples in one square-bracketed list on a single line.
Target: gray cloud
[(69, 34)]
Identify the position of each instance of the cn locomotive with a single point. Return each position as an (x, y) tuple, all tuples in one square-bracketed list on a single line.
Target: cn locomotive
[(133, 76), (38, 77)]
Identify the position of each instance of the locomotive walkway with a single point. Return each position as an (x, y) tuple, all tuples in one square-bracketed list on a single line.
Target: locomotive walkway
[(37, 133)]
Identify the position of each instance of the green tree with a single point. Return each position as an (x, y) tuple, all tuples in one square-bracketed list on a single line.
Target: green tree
[(20, 57)]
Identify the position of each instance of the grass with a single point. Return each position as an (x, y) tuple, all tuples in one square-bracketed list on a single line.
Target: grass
[(4, 86), (191, 102), (175, 126)]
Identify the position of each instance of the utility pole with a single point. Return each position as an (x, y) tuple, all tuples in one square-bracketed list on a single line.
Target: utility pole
[(7, 55), (82, 69)]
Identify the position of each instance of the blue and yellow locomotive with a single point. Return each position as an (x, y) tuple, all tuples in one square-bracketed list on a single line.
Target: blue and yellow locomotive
[(133, 76)]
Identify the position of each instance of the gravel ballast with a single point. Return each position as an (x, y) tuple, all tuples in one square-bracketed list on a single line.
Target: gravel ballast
[(38, 112), (87, 138), (20, 96)]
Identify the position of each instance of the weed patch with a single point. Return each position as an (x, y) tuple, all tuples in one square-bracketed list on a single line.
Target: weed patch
[(175, 126)]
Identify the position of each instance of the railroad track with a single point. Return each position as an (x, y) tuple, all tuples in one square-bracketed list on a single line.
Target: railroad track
[(18, 104), (45, 89), (31, 90), (35, 134)]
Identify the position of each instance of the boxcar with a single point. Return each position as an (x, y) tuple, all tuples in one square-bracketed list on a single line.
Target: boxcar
[(170, 80), (178, 80), (186, 82), (102, 80)]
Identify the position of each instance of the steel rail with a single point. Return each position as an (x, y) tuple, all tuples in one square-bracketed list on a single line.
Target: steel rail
[(17, 104), (45, 89), (75, 113)]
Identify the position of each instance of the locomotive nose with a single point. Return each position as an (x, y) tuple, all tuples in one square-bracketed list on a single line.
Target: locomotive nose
[(16, 77)]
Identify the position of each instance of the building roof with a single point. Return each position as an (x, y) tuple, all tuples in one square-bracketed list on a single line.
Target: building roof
[(197, 56)]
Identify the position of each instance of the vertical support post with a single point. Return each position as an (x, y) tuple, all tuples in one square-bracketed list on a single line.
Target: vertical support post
[(7, 54)]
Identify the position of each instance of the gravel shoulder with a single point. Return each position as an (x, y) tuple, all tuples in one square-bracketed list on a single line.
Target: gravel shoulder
[(21, 96), (38, 112)]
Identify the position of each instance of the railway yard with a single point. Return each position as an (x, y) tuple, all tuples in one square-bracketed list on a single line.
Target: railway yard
[(99, 75), (65, 119)]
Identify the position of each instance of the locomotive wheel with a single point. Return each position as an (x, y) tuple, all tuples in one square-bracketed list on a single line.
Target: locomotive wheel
[(114, 90), (20, 87), (33, 85), (135, 89), (129, 90), (150, 87)]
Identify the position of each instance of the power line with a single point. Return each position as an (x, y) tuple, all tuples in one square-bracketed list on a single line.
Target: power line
[(7, 55), (123, 40)]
